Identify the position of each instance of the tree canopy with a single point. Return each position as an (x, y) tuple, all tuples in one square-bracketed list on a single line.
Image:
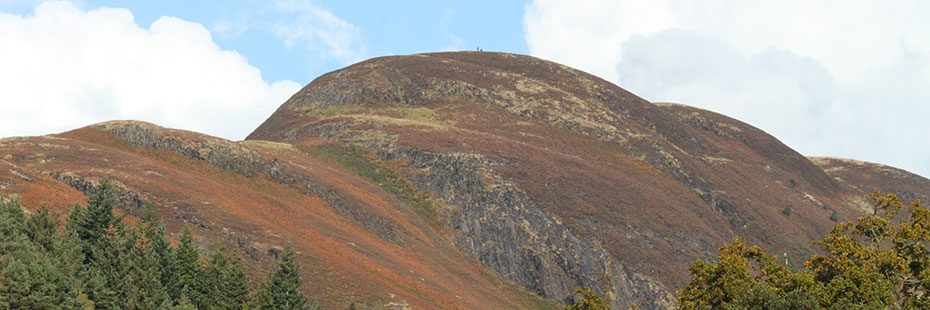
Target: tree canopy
[(97, 262), (877, 261)]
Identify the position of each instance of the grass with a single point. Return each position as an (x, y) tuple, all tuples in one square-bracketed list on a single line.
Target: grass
[(397, 115), (420, 114), (329, 110), (363, 164)]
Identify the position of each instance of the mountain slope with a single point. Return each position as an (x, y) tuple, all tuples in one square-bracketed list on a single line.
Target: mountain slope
[(257, 197), (864, 177), (534, 153), (468, 180)]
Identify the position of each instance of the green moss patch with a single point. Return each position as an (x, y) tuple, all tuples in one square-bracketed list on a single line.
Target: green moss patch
[(364, 164)]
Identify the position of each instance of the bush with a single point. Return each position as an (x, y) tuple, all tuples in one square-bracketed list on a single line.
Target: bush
[(587, 299), (878, 261), (834, 216)]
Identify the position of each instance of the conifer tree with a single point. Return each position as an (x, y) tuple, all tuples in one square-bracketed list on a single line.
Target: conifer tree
[(184, 304), (143, 282), (96, 223), (227, 282), (283, 291), (190, 271), (53, 284), (154, 232), (31, 275), (15, 284), (102, 241), (12, 220), (262, 299), (42, 228), (98, 290), (97, 263)]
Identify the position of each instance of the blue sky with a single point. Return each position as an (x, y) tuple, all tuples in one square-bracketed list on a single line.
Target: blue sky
[(811, 73), (385, 28)]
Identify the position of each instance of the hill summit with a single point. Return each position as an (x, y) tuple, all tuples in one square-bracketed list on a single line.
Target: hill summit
[(468, 180)]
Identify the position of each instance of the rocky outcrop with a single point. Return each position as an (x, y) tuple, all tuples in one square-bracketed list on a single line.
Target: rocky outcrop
[(498, 224), (128, 200)]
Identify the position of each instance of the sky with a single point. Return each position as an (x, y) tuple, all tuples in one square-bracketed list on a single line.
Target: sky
[(829, 78)]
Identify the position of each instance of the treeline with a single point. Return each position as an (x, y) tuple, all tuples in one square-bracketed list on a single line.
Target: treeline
[(878, 261), (98, 262)]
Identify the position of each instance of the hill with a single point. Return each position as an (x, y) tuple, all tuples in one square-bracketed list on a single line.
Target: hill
[(864, 177), (466, 180)]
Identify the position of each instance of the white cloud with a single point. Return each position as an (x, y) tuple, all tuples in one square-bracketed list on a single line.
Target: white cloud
[(765, 89), (847, 78), (64, 67), (318, 30), (588, 33)]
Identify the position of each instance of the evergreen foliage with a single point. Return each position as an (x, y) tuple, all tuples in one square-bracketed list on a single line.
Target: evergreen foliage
[(283, 289), (97, 262), (190, 272), (227, 282)]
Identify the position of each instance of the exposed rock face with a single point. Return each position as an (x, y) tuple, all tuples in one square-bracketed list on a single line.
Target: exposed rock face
[(466, 181), (501, 226)]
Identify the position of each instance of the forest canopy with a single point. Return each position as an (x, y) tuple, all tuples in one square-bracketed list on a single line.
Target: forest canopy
[(96, 261)]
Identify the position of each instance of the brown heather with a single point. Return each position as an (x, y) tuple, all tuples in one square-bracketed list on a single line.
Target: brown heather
[(468, 180)]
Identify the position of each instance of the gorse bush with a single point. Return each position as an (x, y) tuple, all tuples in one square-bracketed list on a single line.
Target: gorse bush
[(878, 261), (97, 262), (587, 299)]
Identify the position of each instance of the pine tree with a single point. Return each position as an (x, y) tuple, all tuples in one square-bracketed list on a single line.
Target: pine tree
[(15, 285), (283, 291), (143, 282), (30, 274), (105, 246), (99, 214), (190, 272), (262, 299), (227, 282), (42, 229), (12, 222), (73, 225), (51, 285), (154, 232), (30, 279), (185, 303), (99, 291), (98, 263), (93, 224)]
